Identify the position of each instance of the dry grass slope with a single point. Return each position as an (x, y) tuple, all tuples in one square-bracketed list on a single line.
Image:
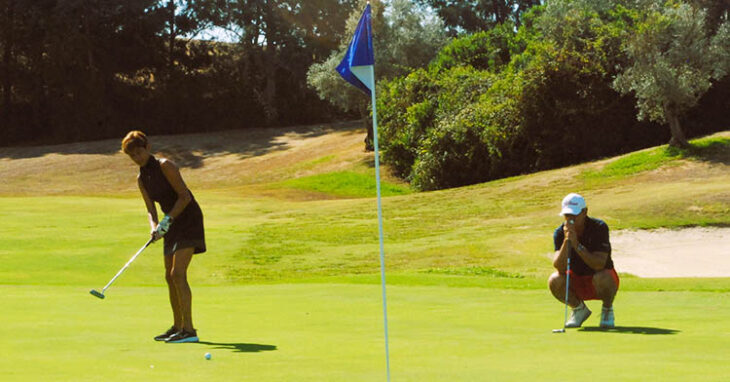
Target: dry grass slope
[(230, 159)]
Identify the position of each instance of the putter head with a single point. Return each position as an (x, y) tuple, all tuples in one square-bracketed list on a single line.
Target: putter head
[(558, 330), (97, 294)]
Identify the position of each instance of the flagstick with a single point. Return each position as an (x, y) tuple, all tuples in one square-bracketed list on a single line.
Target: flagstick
[(380, 218)]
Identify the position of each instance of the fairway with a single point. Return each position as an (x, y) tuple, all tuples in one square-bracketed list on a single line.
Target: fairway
[(289, 288), (332, 332)]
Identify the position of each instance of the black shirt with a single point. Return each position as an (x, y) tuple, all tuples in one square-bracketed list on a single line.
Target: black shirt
[(187, 230), (594, 238)]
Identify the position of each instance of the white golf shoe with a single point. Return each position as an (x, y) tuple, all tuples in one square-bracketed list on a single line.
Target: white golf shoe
[(607, 317), (578, 316)]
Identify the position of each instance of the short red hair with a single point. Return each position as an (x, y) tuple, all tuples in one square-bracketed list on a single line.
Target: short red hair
[(134, 139)]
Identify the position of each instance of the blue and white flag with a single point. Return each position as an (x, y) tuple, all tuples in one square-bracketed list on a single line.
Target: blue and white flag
[(357, 66)]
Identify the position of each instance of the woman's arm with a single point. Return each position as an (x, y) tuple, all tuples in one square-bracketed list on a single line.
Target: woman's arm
[(173, 176), (151, 209)]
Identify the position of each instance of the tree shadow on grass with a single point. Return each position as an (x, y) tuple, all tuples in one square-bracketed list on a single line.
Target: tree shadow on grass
[(631, 330), (189, 150), (713, 151), (239, 347)]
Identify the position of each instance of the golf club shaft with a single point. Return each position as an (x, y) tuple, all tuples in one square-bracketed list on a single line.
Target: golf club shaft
[(126, 265), (567, 280), (567, 288)]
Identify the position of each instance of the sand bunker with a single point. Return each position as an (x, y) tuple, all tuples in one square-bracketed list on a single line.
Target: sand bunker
[(691, 252)]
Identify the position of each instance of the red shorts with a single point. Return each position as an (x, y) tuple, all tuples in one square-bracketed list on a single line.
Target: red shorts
[(583, 287)]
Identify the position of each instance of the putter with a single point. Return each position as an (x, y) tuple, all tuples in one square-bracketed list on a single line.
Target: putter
[(567, 286), (100, 295)]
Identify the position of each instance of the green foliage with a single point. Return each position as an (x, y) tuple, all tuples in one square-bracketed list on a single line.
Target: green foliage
[(473, 16), (475, 143), (673, 60), (83, 70), (431, 123), (406, 110), (405, 39), (488, 50), (501, 103)]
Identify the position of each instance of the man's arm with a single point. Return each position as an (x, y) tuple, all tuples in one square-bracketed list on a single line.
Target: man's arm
[(596, 260), (560, 260), (562, 250)]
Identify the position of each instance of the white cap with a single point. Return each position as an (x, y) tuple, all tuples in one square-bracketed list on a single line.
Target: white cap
[(573, 204)]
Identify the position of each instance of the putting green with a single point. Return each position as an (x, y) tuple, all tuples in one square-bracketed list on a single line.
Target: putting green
[(333, 332)]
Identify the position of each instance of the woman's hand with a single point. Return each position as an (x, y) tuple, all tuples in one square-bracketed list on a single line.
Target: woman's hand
[(163, 227)]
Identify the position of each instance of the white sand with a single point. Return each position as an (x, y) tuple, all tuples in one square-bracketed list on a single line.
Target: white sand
[(691, 252)]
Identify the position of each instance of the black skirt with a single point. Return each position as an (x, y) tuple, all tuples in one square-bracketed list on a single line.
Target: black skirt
[(186, 231)]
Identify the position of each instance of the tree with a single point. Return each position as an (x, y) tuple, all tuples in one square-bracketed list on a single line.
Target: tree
[(278, 40), (405, 37), (673, 60), (478, 15), (7, 42)]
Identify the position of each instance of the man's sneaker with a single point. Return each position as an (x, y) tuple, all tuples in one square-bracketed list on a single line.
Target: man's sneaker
[(183, 336), (166, 334), (578, 316), (607, 317)]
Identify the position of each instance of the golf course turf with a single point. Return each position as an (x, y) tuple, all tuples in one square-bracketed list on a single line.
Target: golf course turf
[(289, 288)]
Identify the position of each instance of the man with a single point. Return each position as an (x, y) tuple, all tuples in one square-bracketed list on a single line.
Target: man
[(592, 277)]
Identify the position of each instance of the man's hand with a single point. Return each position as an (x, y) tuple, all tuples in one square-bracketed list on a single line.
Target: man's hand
[(570, 234), (163, 227)]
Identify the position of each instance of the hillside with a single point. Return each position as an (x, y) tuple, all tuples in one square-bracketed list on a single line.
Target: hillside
[(275, 208), (208, 161)]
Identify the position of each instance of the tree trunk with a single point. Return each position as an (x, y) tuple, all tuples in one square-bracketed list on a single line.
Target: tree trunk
[(171, 8), (678, 137), (7, 63), (368, 124)]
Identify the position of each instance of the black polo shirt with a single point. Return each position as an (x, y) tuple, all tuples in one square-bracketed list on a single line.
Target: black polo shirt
[(594, 238)]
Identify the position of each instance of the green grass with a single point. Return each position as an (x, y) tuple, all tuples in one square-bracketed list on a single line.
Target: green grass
[(333, 332), (634, 163), (345, 184), (652, 159), (289, 289)]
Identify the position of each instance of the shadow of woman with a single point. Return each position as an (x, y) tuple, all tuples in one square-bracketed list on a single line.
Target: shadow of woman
[(239, 347), (631, 330)]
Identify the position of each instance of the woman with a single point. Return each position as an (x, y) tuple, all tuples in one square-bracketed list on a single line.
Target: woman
[(160, 181)]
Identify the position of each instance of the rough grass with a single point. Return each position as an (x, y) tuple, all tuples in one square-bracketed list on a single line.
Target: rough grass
[(345, 184), (706, 149), (495, 228)]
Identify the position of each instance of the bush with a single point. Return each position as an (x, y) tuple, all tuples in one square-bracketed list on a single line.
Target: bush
[(410, 107), (479, 114), (479, 143), (489, 50)]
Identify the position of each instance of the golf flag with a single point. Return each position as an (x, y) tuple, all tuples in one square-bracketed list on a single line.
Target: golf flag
[(358, 68)]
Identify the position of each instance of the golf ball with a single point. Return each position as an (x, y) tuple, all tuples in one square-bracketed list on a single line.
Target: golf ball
[(207, 355)]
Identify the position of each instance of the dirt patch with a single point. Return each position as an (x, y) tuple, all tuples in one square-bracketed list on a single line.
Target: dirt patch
[(690, 252)]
